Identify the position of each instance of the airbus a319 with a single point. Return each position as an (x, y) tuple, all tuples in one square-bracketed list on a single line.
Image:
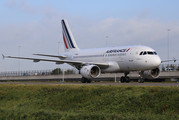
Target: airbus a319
[(92, 62)]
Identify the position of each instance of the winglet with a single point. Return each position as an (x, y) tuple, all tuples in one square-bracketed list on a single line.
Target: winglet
[(3, 56), (174, 59)]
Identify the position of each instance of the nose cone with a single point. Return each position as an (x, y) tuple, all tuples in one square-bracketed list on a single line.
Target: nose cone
[(156, 61)]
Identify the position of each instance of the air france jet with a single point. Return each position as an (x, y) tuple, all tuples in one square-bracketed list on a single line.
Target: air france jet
[(92, 62)]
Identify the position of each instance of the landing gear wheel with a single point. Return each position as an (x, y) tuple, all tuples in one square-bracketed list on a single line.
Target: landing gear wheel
[(83, 80), (127, 79), (123, 79), (141, 80), (89, 81)]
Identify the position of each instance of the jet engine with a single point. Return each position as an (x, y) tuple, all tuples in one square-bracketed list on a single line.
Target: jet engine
[(90, 71), (152, 74)]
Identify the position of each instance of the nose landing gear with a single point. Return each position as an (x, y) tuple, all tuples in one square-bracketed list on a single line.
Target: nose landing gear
[(141, 79), (126, 79)]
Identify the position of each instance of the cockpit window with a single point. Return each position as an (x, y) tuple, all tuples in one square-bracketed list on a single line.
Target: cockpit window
[(150, 53), (141, 53), (155, 53), (145, 53)]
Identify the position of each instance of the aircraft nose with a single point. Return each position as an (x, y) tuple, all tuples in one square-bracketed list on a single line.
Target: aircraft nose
[(156, 61)]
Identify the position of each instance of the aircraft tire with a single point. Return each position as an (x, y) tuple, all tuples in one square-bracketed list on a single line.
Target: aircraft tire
[(89, 81), (127, 79), (123, 79), (83, 80), (141, 80)]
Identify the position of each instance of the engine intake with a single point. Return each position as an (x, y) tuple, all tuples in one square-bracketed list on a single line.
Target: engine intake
[(152, 74), (90, 71)]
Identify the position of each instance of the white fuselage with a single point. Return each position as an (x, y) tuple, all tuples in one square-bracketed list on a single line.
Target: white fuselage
[(120, 59)]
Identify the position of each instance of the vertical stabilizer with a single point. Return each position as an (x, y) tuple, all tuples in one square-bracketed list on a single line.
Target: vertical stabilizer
[(69, 41)]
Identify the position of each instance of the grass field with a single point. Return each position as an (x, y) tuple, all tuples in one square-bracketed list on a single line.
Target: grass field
[(88, 102)]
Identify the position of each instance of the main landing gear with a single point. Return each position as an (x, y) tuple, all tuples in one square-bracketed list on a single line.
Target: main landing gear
[(84, 80), (125, 78), (141, 78)]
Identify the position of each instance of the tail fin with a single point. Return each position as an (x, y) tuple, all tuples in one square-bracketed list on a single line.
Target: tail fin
[(69, 41)]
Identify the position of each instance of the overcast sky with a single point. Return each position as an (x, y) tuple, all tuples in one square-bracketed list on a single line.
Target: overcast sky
[(35, 26)]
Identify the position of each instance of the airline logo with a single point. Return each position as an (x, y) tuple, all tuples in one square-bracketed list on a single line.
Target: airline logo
[(127, 50), (66, 37), (116, 51)]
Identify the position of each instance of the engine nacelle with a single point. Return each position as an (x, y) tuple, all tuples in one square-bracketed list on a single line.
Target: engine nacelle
[(152, 74), (90, 71)]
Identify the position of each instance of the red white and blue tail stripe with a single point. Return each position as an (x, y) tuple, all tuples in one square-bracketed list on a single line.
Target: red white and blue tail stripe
[(68, 38)]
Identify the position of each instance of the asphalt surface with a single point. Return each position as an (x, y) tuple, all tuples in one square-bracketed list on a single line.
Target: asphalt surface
[(93, 83)]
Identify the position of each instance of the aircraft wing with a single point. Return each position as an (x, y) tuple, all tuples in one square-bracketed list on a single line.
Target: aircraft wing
[(101, 65), (58, 56), (169, 60)]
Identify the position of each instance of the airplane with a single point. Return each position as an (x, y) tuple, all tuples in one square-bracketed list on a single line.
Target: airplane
[(92, 62)]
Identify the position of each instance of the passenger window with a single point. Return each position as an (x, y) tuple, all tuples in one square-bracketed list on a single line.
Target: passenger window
[(145, 53), (141, 53)]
